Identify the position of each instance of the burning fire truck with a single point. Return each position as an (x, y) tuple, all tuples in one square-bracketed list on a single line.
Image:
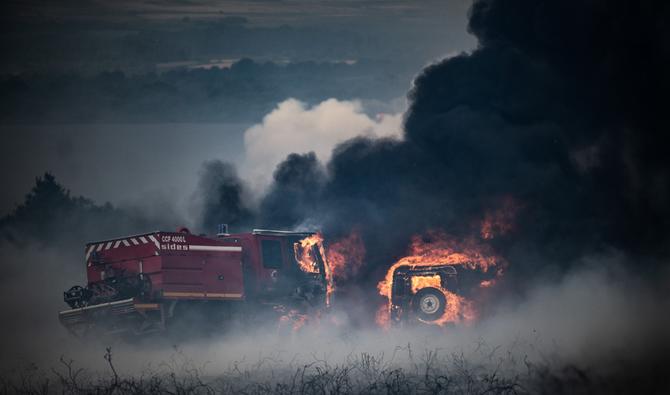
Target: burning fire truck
[(149, 282)]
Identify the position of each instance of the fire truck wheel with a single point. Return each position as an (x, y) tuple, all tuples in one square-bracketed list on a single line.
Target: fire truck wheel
[(429, 304)]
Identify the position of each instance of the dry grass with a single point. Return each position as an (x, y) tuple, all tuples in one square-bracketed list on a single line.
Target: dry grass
[(488, 371)]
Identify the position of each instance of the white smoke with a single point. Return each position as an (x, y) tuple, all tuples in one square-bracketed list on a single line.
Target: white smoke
[(294, 127)]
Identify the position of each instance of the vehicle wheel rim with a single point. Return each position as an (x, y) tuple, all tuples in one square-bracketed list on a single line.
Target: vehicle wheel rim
[(430, 304)]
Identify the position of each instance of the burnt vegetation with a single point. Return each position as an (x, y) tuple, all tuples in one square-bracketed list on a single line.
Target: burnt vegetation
[(486, 370)]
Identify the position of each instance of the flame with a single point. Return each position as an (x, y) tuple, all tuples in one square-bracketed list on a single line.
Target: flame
[(458, 309), (437, 248), (341, 260), (420, 282), (487, 283), (345, 256), (293, 318), (304, 254)]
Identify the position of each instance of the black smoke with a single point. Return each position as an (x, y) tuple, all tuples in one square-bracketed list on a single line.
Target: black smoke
[(222, 197), (295, 192), (560, 109)]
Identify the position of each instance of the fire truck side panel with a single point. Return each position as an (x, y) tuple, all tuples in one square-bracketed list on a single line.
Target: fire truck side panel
[(222, 274), (152, 267), (215, 275)]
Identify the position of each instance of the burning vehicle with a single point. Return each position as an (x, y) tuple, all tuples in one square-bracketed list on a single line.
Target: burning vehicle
[(434, 283), (150, 282), (418, 292)]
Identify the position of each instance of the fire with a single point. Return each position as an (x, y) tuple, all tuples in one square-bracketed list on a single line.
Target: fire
[(459, 309), (440, 249), (307, 260), (341, 259), (345, 256), (291, 318), (304, 253), (487, 283), (419, 282)]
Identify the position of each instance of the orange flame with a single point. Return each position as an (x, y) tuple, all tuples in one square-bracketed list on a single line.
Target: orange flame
[(440, 249), (292, 318), (341, 259), (305, 255), (420, 282), (458, 309), (487, 283), (345, 256)]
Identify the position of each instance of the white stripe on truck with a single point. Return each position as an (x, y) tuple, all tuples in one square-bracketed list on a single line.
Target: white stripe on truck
[(214, 248), (89, 251), (156, 243)]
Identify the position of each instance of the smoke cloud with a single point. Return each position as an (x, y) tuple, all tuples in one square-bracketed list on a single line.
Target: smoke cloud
[(294, 127)]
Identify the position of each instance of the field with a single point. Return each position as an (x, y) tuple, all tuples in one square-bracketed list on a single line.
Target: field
[(482, 369)]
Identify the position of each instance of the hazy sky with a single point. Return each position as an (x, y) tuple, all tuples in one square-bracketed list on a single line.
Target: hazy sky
[(123, 164)]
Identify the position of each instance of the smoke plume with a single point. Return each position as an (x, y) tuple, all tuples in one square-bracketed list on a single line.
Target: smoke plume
[(221, 196), (558, 110)]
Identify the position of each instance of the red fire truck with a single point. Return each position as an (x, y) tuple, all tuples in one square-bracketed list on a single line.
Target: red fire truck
[(149, 282)]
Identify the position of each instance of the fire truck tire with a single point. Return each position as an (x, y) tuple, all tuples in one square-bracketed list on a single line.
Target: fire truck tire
[(429, 304)]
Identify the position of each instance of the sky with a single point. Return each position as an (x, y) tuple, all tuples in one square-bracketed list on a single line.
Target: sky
[(112, 144)]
